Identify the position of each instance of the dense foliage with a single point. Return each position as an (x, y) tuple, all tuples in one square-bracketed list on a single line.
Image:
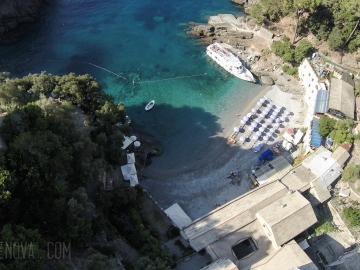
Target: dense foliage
[(352, 214), (334, 21), (53, 152), (290, 53), (338, 130), (326, 125), (351, 172)]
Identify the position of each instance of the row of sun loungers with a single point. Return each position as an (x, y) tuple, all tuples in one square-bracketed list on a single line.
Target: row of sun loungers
[(264, 120)]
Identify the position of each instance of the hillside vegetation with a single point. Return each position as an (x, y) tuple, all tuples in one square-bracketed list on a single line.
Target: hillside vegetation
[(334, 21), (61, 134)]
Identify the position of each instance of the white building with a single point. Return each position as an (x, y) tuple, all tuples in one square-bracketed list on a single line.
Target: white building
[(312, 84)]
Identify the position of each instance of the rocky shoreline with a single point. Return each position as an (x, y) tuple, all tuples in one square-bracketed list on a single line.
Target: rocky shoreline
[(250, 42), (14, 13)]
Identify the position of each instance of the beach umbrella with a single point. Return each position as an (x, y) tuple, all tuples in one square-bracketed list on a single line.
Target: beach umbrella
[(245, 118), (269, 134), (277, 120), (290, 131), (243, 122), (265, 138), (236, 129), (267, 109), (137, 143), (258, 120), (133, 138), (262, 100), (287, 112), (254, 124), (258, 133), (262, 129), (272, 130), (255, 137), (268, 120), (272, 117), (251, 128), (254, 110), (242, 138), (262, 115), (279, 107), (274, 113), (277, 125), (264, 125), (259, 103), (282, 118), (248, 115)]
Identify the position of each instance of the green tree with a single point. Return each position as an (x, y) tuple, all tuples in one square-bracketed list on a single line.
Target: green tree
[(351, 172), (301, 6), (336, 38), (352, 214), (256, 12), (288, 57), (32, 251), (340, 136), (326, 125), (301, 50), (7, 185), (147, 264), (357, 90), (96, 261)]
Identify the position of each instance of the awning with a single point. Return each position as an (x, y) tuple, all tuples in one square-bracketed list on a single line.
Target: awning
[(126, 142), (298, 136), (322, 101), (315, 136), (128, 169), (130, 158), (134, 180), (288, 137), (178, 216)]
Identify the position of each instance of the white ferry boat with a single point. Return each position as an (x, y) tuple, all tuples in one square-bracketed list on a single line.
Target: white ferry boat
[(229, 61)]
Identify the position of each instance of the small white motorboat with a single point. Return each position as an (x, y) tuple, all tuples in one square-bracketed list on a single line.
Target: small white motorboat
[(150, 105)]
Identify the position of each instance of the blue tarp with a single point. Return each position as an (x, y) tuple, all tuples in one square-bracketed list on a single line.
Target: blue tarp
[(322, 101), (267, 155), (315, 136)]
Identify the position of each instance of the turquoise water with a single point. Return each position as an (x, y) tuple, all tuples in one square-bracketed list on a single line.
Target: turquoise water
[(145, 42)]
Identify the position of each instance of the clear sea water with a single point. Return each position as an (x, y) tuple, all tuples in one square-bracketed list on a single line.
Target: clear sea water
[(145, 41)]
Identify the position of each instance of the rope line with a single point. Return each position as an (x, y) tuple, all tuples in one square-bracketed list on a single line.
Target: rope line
[(80, 62), (173, 78), (111, 72)]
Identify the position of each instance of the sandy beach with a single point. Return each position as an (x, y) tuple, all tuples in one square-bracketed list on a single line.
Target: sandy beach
[(202, 185)]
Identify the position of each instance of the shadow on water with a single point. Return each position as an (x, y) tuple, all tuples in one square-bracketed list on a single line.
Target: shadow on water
[(98, 54), (184, 132)]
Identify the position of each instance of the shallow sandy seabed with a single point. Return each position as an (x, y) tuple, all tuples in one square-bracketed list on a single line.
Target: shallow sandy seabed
[(200, 186)]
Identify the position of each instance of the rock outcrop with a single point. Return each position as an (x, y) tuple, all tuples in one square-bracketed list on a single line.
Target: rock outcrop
[(16, 12), (223, 33), (247, 4), (265, 79)]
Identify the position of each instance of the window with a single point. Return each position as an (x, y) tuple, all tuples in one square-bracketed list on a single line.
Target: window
[(244, 248)]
